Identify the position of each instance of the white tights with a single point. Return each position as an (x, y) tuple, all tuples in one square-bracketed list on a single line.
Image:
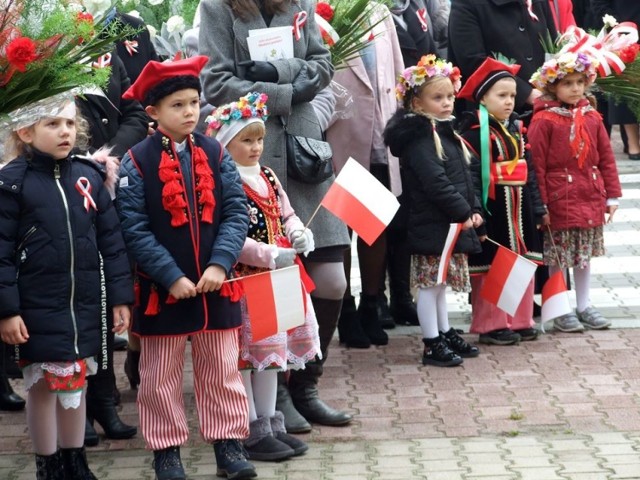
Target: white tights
[(432, 311), (50, 424), (261, 390), (582, 281)]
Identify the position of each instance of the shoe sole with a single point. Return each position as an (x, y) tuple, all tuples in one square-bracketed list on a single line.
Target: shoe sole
[(600, 327), (435, 363), (291, 429), (241, 475), (468, 355), (270, 457), (493, 341), (570, 330)]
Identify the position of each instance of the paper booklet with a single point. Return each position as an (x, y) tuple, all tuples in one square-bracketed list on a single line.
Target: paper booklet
[(267, 44)]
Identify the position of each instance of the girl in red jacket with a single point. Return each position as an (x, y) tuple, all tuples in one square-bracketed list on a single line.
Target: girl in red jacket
[(577, 176)]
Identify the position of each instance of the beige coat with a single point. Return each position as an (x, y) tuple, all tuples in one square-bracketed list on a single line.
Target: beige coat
[(353, 137)]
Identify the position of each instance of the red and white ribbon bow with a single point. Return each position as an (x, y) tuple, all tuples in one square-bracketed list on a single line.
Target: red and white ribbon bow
[(103, 61), (533, 16), (329, 34), (604, 48), (131, 46), (299, 20), (83, 185), (421, 13)]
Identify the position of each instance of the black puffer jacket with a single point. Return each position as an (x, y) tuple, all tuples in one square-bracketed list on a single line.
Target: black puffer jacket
[(49, 262), (441, 192)]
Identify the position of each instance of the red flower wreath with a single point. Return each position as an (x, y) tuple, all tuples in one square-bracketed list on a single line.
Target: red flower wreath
[(20, 52), (325, 10)]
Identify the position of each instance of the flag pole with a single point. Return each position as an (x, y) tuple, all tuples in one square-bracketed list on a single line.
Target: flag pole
[(553, 244), (312, 216), (493, 241)]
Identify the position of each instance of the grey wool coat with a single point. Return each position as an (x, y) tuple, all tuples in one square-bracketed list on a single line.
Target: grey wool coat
[(223, 38)]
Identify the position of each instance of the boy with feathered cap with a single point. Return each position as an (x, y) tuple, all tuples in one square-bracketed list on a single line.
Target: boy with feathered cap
[(183, 213), (502, 169)]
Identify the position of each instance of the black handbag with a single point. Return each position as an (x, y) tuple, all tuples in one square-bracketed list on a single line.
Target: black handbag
[(308, 160)]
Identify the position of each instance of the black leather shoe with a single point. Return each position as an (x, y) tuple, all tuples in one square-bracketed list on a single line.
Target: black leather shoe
[(316, 411), (293, 421), (107, 417), (368, 317), (10, 401), (384, 315), (350, 331), (404, 311), (90, 435)]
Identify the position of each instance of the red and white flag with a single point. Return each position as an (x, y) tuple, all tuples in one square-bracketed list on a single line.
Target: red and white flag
[(447, 251), (507, 280), (274, 301), (361, 201), (555, 298)]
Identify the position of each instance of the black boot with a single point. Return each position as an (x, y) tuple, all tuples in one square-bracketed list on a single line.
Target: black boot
[(168, 464), (9, 364), (9, 400), (437, 352), (75, 464), (459, 345), (91, 438), (350, 330), (303, 384), (132, 368), (50, 467), (401, 305), (101, 406), (293, 421), (386, 320), (370, 321)]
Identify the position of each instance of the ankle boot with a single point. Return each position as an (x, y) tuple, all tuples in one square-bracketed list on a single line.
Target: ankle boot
[(386, 320), (75, 464), (132, 368), (91, 438), (101, 406), (50, 467), (401, 305), (350, 330), (262, 445), (8, 363), (168, 465), (9, 400), (437, 352), (280, 432), (293, 421), (368, 317)]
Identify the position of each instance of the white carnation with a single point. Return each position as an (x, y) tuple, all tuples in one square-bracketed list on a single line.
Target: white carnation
[(609, 21), (97, 7), (155, 2), (175, 24), (152, 31), (135, 13)]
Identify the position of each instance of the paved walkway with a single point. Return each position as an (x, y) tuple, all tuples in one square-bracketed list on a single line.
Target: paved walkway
[(564, 407)]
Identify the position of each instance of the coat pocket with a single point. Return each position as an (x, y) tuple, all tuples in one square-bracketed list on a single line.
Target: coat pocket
[(559, 186), (31, 245)]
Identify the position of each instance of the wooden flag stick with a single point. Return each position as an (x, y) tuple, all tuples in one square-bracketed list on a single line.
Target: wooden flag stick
[(313, 216)]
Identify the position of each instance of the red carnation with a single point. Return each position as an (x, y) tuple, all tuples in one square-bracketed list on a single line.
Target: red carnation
[(455, 74), (628, 54), (20, 52), (84, 17), (325, 11)]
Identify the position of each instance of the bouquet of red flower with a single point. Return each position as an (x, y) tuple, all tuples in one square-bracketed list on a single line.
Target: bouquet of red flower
[(345, 27), (47, 48)]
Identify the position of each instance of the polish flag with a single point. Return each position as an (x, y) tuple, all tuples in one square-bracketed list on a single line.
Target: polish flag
[(361, 201), (555, 298), (274, 301), (507, 280), (447, 251)]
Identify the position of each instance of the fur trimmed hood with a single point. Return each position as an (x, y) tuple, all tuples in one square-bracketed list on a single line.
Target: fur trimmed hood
[(403, 128)]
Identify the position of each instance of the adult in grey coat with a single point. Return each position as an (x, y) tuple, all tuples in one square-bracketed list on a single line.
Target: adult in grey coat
[(291, 84)]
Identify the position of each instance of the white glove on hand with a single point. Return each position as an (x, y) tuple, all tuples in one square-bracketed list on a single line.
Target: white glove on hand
[(285, 257), (302, 240)]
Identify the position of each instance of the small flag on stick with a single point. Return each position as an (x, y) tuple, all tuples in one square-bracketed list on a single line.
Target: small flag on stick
[(274, 301), (507, 280), (361, 201), (555, 298), (447, 251)]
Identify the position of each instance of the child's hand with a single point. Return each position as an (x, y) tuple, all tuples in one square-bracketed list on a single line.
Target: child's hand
[(468, 224), (477, 220), (13, 330), (611, 209), (121, 318), (211, 279), (482, 238), (183, 288), (544, 221)]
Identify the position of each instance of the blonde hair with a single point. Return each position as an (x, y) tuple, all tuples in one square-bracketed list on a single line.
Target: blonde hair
[(15, 147), (408, 104), (254, 128)]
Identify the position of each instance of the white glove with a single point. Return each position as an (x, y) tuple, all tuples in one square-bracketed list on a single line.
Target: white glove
[(285, 257), (302, 240)]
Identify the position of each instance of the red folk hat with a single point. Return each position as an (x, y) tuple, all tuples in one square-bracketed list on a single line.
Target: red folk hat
[(488, 73), (154, 73)]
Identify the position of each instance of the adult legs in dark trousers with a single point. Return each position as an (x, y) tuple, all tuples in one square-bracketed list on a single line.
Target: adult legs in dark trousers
[(298, 398), (101, 404), (9, 400)]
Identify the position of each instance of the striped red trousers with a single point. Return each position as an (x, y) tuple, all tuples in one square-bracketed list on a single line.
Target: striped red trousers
[(221, 400)]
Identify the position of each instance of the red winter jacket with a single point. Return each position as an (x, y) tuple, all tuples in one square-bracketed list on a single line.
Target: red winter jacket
[(575, 196)]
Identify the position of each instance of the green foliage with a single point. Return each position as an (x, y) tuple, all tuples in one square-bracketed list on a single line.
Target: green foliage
[(624, 88), (155, 15)]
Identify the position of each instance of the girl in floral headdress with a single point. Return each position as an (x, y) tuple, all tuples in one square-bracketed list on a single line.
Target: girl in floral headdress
[(441, 192), (276, 235), (577, 177)]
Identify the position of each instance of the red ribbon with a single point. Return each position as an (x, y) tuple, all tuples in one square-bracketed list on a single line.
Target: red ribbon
[(422, 18), (83, 185), (131, 46), (103, 61), (299, 20)]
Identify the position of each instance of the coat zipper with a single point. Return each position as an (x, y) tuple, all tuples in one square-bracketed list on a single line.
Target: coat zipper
[(26, 237), (56, 173)]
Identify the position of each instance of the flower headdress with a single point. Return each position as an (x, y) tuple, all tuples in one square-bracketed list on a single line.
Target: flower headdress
[(226, 121), (428, 66), (564, 64)]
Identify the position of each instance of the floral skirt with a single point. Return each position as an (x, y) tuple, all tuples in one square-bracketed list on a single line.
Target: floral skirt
[(285, 350), (65, 379), (424, 272), (573, 247)]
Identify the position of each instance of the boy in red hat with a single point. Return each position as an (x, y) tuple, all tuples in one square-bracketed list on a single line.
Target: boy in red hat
[(183, 213), (510, 195)]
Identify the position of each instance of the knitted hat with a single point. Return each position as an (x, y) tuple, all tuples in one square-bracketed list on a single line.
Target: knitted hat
[(487, 74), (562, 65), (154, 73), (428, 66), (226, 121)]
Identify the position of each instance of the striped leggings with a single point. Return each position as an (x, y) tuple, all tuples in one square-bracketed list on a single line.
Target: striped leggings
[(220, 396)]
